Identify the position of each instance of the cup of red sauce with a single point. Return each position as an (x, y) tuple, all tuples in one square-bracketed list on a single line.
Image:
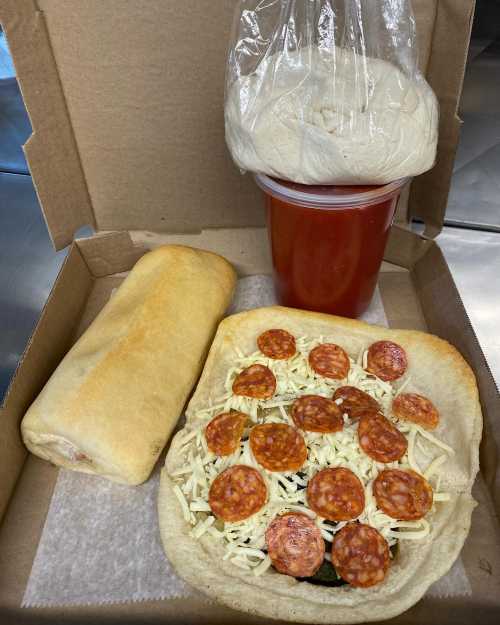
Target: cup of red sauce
[(327, 242)]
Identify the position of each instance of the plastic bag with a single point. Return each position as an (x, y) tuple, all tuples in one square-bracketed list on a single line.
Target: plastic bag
[(328, 92)]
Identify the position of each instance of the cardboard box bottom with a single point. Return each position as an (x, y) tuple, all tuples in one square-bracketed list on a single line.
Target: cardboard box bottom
[(409, 301)]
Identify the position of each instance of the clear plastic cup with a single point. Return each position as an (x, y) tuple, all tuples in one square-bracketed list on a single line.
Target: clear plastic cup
[(327, 242)]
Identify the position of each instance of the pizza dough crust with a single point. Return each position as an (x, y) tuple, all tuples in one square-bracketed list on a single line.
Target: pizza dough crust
[(435, 366)]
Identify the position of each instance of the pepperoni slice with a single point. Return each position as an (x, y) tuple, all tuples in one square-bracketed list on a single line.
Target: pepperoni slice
[(355, 401), (416, 408), (277, 344), (360, 555), (295, 545), (379, 439), (386, 360), (317, 414), (336, 494), (403, 495), (223, 433), (278, 447), (256, 381), (330, 361), (237, 493)]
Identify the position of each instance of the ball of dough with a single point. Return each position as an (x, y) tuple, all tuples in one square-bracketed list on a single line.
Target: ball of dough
[(331, 117)]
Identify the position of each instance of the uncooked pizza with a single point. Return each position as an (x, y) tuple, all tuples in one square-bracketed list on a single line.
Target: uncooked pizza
[(326, 452)]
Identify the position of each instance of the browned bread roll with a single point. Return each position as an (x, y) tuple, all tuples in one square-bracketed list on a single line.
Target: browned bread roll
[(113, 401)]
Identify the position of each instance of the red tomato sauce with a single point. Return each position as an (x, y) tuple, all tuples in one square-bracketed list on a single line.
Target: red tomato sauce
[(328, 259)]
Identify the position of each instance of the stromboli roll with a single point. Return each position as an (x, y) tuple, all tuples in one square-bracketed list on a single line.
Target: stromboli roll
[(114, 399)]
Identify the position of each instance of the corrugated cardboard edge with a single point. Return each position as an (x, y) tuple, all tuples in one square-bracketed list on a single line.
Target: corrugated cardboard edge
[(109, 253), (452, 23), (405, 247), (47, 345), (51, 150)]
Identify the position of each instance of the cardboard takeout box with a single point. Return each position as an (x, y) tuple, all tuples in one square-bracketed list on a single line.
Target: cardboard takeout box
[(126, 98)]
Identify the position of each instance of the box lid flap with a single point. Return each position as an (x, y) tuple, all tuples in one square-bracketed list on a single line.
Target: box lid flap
[(51, 151), (126, 102)]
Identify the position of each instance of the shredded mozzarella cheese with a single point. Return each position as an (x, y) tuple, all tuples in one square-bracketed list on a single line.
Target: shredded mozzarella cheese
[(244, 542)]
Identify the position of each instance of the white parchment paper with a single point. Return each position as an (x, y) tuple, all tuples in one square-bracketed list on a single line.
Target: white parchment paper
[(101, 543)]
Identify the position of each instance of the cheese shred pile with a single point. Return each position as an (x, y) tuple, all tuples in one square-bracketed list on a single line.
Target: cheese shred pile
[(244, 541)]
